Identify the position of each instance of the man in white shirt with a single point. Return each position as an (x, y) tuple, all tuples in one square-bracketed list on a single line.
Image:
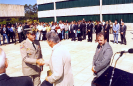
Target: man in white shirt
[(20, 31), (59, 63), (62, 29), (39, 34)]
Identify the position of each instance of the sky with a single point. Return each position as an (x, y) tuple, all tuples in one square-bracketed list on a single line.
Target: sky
[(18, 2)]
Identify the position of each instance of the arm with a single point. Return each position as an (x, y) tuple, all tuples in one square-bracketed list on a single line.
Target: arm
[(106, 60), (57, 67), (25, 57)]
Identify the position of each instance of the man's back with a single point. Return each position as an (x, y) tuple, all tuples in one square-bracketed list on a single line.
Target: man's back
[(60, 65), (5, 80)]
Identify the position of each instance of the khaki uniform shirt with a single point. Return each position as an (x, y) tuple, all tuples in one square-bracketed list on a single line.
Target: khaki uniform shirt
[(29, 56)]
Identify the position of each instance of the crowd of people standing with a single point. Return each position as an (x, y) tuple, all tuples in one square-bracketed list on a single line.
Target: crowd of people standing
[(75, 30)]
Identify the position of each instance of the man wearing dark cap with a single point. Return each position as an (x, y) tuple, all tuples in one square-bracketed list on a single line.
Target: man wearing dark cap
[(32, 62)]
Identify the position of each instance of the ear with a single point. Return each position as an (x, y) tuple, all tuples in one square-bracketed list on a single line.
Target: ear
[(6, 63), (27, 35)]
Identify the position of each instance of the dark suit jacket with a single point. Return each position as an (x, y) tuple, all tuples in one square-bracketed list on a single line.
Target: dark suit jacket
[(3, 32), (5, 80), (79, 26), (123, 29), (83, 26), (72, 28), (90, 27), (102, 58), (106, 28), (76, 27), (98, 28)]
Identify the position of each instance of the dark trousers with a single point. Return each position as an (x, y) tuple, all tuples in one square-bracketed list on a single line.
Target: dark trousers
[(123, 39), (23, 36), (79, 36), (92, 83), (11, 36), (45, 83), (14, 36), (60, 36), (107, 36), (70, 35), (20, 37), (84, 34), (44, 35), (90, 36), (73, 36)]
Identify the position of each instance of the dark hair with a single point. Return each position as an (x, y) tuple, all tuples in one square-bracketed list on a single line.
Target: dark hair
[(102, 34)]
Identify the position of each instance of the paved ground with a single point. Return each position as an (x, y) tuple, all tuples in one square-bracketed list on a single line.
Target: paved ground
[(81, 55)]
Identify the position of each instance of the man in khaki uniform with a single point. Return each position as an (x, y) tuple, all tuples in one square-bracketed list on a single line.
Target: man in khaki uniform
[(32, 62)]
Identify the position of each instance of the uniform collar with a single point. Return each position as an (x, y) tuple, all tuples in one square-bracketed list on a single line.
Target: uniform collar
[(58, 44), (29, 40)]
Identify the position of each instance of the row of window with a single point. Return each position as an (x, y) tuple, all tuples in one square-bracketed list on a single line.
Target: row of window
[(127, 18), (80, 3)]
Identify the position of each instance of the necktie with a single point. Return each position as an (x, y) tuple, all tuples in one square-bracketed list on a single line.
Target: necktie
[(33, 45), (106, 26), (99, 49)]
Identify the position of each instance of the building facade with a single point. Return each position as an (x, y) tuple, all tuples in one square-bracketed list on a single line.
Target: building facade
[(55, 10)]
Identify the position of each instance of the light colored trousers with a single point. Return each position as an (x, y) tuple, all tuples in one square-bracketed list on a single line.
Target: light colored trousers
[(39, 35), (116, 37), (36, 80)]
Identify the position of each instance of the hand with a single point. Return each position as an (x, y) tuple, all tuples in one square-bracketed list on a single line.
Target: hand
[(46, 78), (40, 62), (89, 30), (93, 70), (121, 32), (105, 31)]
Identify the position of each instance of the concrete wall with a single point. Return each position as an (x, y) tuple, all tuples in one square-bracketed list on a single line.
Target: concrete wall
[(8, 10)]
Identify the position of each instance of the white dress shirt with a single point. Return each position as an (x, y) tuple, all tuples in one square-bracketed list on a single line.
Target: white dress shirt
[(19, 29)]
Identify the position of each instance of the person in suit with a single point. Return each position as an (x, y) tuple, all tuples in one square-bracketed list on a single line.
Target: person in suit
[(123, 33), (79, 32), (76, 29), (32, 62), (116, 31), (83, 26), (89, 31), (98, 29), (10, 30), (111, 26), (6, 80), (1, 26), (102, 57), (5, 32), (72, 31), (106, 30), (59, 63)]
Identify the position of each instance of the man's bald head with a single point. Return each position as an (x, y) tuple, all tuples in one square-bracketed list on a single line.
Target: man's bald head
[(2, 59)]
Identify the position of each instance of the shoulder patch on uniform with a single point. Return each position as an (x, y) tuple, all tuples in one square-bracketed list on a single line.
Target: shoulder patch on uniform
[(22, 45)]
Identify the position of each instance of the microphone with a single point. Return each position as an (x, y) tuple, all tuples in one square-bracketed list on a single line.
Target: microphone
[(129, 51)]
